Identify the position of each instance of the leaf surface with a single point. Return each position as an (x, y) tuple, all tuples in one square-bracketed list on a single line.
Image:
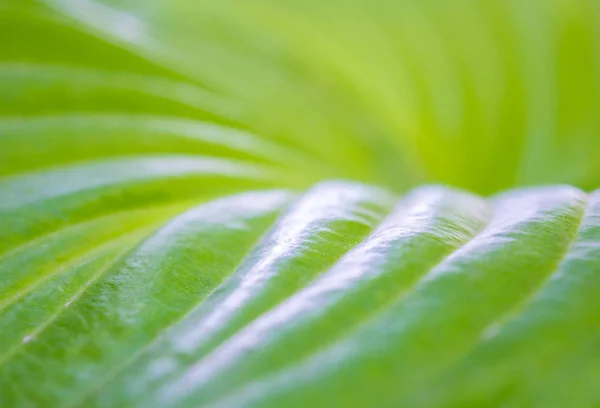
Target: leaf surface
[(213, 204)]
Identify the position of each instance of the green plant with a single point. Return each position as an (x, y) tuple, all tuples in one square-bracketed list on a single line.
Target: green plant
[(218, 203)]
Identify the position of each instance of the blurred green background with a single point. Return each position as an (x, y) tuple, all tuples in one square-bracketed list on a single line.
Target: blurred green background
[(483, 95)]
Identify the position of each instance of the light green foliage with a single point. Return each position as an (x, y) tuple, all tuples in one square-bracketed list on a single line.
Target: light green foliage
[(216, 203)]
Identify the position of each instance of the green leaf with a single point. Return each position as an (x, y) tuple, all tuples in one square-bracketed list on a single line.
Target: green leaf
[(216, 204)]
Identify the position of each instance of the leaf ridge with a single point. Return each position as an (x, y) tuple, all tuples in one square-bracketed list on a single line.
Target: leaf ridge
[(40, 327), (63, 267)]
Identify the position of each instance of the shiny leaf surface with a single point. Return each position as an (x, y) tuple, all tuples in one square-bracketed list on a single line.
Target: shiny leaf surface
[(215, 204)]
